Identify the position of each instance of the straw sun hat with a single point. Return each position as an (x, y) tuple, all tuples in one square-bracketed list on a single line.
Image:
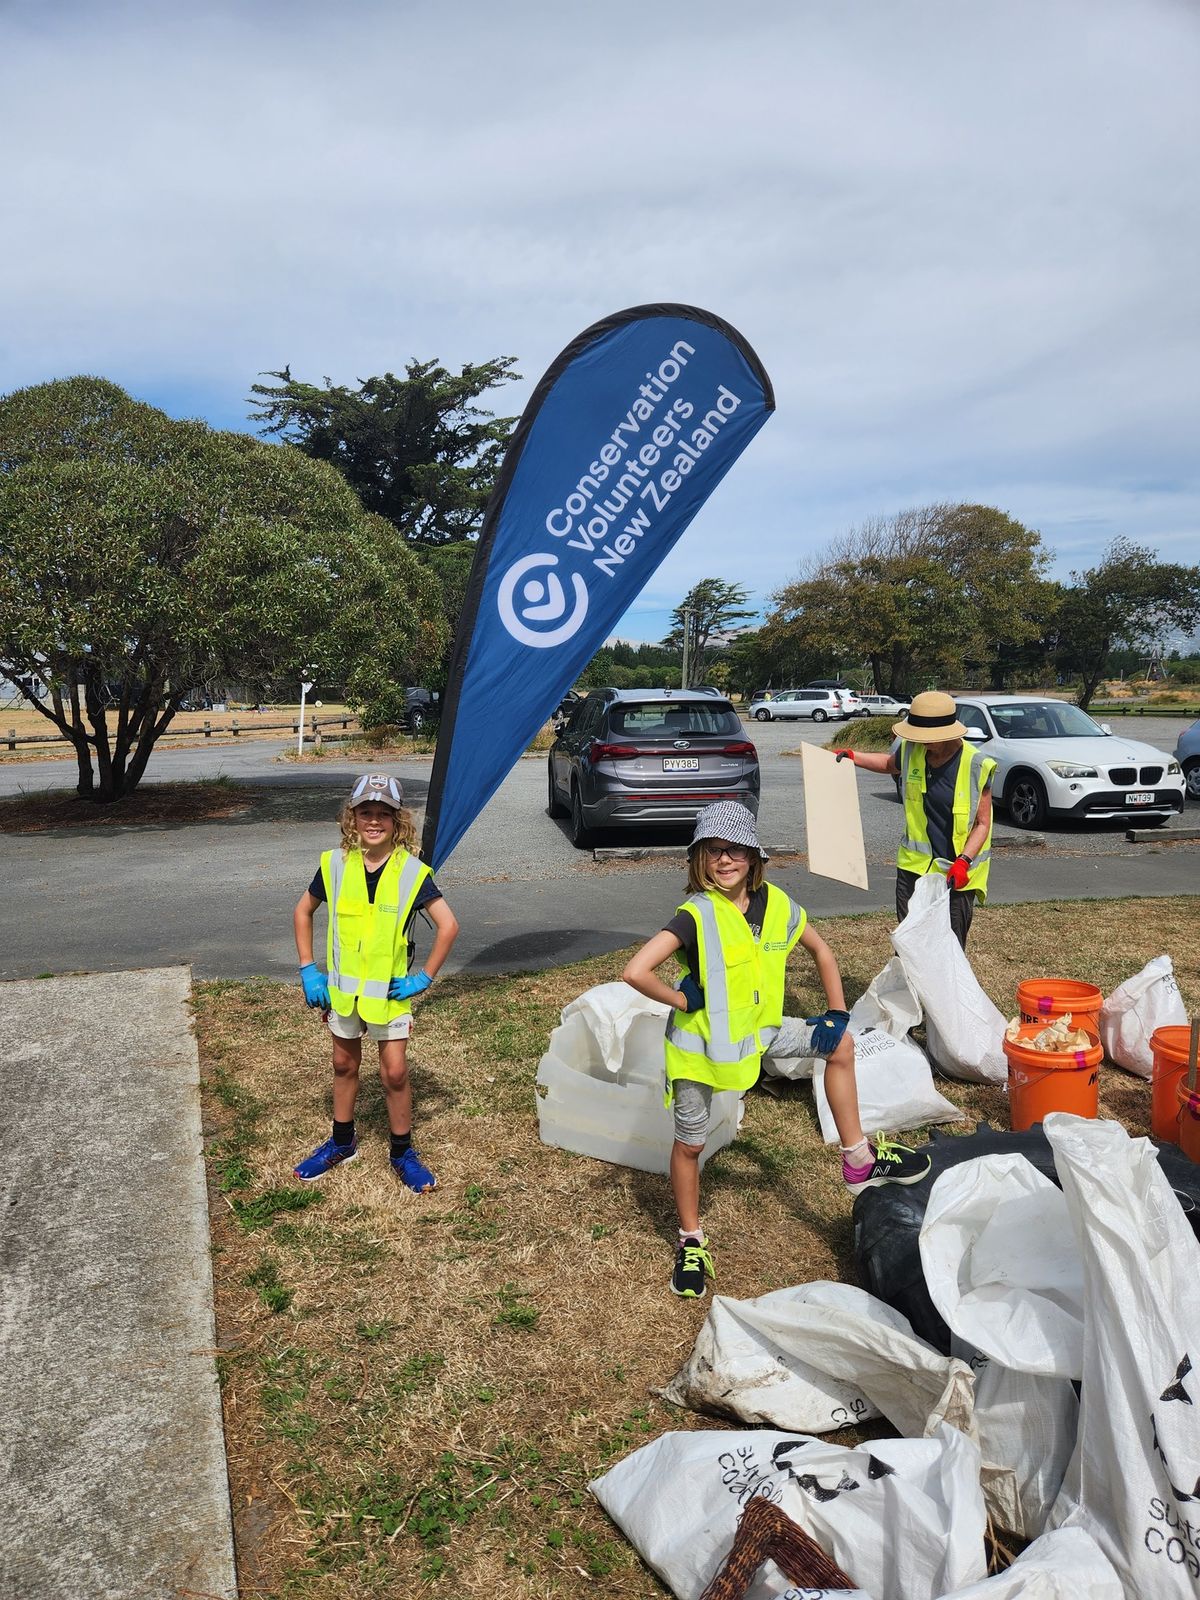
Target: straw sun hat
[(932, 718)]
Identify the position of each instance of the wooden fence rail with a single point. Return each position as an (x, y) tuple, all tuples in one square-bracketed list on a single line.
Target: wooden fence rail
[(314, 731)]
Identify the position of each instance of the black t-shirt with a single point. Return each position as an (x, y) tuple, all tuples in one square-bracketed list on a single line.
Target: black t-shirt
[(683, 926), (939, 805), (427, 892)]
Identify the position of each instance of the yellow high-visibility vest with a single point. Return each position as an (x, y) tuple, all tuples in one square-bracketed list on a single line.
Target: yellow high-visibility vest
[(366, 945), (742, 978), (973, 776)]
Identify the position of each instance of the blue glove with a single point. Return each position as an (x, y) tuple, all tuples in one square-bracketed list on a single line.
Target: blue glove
[(828, 1029), (692, 993), (404, 988), (316, 985)]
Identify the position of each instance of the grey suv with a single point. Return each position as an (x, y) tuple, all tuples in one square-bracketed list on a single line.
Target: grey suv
[(644, 757)]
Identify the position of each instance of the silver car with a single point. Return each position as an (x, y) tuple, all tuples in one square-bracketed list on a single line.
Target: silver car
[(819, 704), (882, 705), (640, 757)]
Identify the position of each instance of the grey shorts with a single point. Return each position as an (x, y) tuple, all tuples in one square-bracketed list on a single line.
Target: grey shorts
[(353, 1026), (692, 1102)]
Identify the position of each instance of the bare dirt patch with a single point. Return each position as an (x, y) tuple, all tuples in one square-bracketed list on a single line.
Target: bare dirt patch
[(417, 1390), (150, 805)]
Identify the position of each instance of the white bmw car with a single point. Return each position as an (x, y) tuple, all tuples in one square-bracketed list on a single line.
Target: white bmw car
[(1053, 760)]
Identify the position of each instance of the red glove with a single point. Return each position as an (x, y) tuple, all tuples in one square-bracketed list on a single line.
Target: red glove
[(956, 872), (844, 755)]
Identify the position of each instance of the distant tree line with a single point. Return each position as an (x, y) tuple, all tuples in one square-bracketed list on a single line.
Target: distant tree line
[(950, 594)]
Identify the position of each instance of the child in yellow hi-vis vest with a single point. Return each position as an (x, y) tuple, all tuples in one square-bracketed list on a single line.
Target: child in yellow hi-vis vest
[(732, 936), (373, 888)]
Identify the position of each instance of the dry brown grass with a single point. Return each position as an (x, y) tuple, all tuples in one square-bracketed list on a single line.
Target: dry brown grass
[(444, 1374)]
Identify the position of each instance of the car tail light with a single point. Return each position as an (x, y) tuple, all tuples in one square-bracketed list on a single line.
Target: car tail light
[(741, 747), (612, 752)]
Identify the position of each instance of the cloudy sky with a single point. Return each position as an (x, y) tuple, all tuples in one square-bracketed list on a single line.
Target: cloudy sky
[(963, 238)]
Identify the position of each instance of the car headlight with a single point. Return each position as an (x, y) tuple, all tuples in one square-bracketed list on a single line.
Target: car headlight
[(1069, 769), (1174, 770)]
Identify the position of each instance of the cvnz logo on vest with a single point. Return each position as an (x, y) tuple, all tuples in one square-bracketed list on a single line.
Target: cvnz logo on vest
[(542, 601)]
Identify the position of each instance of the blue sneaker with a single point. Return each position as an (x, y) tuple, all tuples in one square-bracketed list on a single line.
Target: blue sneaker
[(324, 1158), (413, 1172)]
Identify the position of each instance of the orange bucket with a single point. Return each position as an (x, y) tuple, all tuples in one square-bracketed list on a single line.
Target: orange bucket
[(1041, 1081), (1189, 1122), (1045, 999), (1170, 1049)]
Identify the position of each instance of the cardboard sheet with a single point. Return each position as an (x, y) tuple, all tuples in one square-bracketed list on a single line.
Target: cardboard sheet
[(832, 818)]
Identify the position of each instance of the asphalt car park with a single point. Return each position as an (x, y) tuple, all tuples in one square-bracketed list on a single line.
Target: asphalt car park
[(107, 898)]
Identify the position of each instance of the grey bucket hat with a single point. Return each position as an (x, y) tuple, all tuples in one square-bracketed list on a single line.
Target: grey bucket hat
[(728, 819)]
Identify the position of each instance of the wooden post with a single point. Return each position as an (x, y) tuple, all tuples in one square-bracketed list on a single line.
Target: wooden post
[(235, 728), (12, 738), (207, 729)]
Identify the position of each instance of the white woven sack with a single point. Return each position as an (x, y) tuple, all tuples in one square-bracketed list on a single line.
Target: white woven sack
[(1149, 1000), (964, 1031), (904, 1517), (1002, 1265), (895, 1087), (888, 1003), (817, 1357), (1067, 1565), (1134, 1480)]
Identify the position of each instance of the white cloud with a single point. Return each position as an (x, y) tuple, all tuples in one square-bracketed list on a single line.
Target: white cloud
[(962, 238)]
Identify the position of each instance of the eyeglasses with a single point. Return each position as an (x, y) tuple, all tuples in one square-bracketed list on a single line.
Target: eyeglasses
[(735, 852)]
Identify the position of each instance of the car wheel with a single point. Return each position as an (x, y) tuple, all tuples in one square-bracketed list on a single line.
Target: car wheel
[(1026, 800), (416, 721), (762, 715), (581, 834), (554, 806), (820, 716), (1191, 773)]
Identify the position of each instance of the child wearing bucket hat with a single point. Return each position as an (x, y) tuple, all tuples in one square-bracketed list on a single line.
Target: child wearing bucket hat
[(946, 787), (732, 937), (373, 888)]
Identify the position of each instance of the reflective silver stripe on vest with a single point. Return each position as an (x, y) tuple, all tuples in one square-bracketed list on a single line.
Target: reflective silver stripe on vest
[(724, 1051), (407, 887), (793, 920), (370, 988), (919, 847), (336, 868)]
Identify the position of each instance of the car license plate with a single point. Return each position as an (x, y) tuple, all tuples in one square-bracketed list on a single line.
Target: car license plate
[(681, 763), (1140, 797)]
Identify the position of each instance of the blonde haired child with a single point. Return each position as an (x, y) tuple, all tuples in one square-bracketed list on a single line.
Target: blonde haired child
[(732, 937), (373, 888)]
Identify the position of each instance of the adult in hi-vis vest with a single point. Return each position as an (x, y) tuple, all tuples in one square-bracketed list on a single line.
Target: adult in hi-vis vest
[(732, 937), (946, 787), (372, 887)]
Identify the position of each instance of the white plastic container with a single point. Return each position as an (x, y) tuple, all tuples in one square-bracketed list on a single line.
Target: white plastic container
[(600, 1084)]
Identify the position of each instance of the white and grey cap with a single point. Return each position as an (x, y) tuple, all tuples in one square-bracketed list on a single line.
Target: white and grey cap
[(377, 787), (728, 819)]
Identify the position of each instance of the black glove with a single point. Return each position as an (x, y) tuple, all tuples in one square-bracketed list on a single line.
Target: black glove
[(692, 993)]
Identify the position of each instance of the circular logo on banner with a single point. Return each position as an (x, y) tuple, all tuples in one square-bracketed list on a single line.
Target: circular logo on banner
[(537, 615)]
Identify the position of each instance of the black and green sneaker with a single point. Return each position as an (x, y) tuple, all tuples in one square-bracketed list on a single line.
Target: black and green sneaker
[(692, 1265)]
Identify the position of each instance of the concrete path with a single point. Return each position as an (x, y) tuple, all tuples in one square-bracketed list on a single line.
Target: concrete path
[(112, 1457)]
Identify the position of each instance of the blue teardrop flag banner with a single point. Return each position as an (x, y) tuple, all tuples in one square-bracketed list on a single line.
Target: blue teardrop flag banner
[(626, 436)]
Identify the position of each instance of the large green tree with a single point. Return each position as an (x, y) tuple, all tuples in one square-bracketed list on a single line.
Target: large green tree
[(1129, 599), (711, 609), (924, 596), (140, 556), (417, 450)]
